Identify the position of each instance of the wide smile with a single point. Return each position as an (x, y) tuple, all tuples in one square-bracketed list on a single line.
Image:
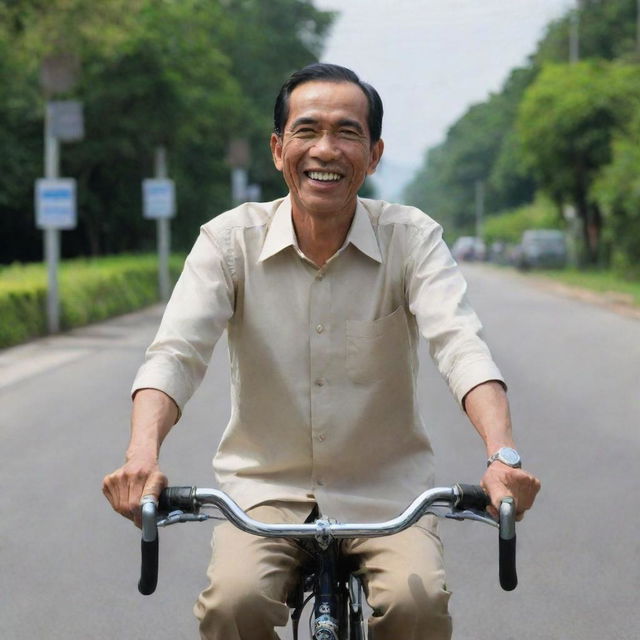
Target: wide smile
[(326, 177)]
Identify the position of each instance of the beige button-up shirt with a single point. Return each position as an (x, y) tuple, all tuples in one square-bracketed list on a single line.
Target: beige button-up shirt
[(323, 361)]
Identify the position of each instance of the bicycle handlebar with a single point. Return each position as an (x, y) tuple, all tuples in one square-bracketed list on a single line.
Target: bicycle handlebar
[(507, 545), (149, 548), (181, 504)]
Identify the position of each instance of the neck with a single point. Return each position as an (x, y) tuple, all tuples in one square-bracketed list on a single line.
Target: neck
[(320, 237)]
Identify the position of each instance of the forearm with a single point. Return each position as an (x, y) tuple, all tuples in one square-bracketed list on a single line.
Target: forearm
[(153, 415), (487, 408)]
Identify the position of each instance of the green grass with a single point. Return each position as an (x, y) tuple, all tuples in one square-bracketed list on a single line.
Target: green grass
[(605, 282), (90, 290)]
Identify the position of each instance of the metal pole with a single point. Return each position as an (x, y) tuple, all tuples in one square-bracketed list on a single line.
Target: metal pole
[(479, 209), (51, 236), (239, 180), (163, 232), (638, 27), (574, 36)]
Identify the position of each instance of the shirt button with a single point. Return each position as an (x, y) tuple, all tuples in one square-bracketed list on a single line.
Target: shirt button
[(319, 328), (320, 382), (321, 437), (320, 483), (319, 276)]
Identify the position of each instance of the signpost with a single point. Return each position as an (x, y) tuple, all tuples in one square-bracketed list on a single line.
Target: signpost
[(239, 159), (159, 204), (55, 199)]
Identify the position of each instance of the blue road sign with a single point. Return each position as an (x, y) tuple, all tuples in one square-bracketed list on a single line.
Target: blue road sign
[(55, 202), (159, 198)]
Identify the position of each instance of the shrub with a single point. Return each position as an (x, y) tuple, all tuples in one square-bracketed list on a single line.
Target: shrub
[(90, 290)]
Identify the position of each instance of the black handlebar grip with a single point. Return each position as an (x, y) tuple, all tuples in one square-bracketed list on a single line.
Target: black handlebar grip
[(149, 567), (507, 546), (177, 498), (472, 496), (507, 560)]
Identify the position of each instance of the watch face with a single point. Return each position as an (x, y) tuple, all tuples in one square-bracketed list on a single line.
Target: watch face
[(509, 455)]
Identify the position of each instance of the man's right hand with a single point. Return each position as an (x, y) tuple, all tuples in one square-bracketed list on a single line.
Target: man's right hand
[(125, 487), (153, 415)]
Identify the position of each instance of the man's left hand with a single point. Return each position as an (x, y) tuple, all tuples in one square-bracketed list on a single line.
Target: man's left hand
[(500, 481)]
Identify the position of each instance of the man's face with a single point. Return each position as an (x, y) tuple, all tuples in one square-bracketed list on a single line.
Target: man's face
[(325, 151)]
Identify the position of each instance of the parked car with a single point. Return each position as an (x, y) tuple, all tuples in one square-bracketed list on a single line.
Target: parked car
[(469, 248), (540, 249)]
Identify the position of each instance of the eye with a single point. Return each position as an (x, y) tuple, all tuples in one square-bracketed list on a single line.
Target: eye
[(349, 134), (304, 132)]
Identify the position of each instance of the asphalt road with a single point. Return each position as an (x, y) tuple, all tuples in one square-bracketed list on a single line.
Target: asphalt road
[(68, 565)]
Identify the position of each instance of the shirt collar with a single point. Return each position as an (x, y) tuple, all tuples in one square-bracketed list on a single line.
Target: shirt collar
[(362, 234), (281, 233)]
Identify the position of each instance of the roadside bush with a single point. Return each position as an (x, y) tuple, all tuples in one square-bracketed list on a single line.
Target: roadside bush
[(90, 291), (509, 226)]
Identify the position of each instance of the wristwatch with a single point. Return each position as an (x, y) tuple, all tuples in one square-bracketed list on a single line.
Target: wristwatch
[(507, 456)]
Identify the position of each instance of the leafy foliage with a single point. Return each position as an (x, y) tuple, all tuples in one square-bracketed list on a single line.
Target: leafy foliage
[(607, 30), (189, 75), (617, 190), (90, 290), (509, 226), (566, 124), (480, 146), (555, 127)]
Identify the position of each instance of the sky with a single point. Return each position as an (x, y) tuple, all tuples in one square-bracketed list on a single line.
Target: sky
[(430, 60)]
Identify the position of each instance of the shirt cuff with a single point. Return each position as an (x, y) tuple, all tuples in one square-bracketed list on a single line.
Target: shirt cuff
[(166, 376), (468, 375)]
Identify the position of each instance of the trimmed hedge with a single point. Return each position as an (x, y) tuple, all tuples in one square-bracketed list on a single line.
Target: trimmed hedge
[(90, 290), (509, 226)]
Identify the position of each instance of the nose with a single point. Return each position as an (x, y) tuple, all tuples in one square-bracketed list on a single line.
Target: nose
[(325, 147)]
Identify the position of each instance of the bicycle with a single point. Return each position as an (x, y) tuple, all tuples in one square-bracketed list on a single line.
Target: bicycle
[(337, 593)]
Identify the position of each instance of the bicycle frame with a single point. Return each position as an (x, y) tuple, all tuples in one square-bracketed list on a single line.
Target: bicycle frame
[(330, 587)]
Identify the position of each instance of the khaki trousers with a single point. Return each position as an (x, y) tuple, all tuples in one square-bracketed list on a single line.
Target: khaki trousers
[(250, 578)]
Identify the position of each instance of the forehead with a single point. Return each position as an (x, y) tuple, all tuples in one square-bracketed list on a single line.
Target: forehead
[(323, 100)]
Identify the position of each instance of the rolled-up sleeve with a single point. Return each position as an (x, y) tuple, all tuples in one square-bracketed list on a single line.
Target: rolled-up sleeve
[(436, 292), (200, 307)]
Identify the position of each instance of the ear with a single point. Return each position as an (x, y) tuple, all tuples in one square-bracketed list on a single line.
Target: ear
[(276, 150), (376, 153)]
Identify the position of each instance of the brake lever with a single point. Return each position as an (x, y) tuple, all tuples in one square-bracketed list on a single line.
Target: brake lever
[(471, 514), (174, 517)]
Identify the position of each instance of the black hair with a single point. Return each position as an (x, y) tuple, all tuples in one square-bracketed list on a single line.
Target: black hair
[(329, 73)]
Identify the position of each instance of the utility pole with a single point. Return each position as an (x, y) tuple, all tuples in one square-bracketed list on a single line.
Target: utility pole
[(638, 27), (574, 35), (163, 231), (479, 209), (51, 234)]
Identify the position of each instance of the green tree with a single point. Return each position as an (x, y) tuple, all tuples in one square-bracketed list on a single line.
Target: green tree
[(478, 147), (188, 75), (565, 124), (617, 190), (606, 28), (266, 42)]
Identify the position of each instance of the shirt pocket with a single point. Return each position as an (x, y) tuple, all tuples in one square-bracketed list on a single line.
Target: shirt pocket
[(378, 349)]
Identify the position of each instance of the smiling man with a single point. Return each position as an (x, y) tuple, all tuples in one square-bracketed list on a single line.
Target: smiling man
[(324, 296)]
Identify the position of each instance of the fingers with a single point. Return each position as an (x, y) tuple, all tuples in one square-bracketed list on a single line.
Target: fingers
[(125, 487), (154, 485), (501, 481)]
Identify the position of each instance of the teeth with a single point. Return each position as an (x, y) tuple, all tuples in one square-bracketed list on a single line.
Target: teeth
[(326, 177)]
